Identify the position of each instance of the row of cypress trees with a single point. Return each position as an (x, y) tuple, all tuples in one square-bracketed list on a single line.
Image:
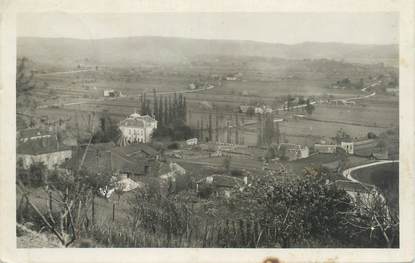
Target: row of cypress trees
[(165, 109)]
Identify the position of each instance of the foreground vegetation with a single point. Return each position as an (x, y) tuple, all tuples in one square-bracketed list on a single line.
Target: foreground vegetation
[(269, 212)]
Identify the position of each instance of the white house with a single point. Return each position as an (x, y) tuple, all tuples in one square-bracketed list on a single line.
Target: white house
[(192, 141), (137, 129), (348, 147)]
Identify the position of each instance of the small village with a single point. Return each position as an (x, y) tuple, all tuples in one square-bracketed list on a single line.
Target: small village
[(211, 165), (165, 142)]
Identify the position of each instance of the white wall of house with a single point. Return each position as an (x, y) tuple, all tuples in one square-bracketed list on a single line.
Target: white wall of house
[(348, 147), (134, 134), (49, 159), (138, 134)]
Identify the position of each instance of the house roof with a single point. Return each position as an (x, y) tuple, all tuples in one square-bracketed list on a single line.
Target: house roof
[(41, 146), (101, 158), (129, 122), (132, 149), (136, 120)]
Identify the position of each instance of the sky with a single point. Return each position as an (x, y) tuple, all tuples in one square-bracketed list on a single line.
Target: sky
[(287, 28)]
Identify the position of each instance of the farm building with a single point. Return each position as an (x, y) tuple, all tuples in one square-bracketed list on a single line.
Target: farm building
[(348, 147), (294, 151), (220, 185), (192, 141), (131, 160), (34, 134), (325, 148), (137, 129), (43, 148), (111, 93)]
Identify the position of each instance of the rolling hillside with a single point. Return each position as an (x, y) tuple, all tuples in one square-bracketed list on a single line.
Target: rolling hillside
[(161, 50)]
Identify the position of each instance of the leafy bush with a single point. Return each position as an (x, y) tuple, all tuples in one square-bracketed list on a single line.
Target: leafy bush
[(300, 208)]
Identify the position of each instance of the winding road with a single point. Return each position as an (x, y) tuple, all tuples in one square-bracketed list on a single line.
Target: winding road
[(348, 172)]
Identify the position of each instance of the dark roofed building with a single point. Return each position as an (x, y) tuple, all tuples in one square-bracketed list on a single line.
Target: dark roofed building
[(30, 134), (105, 157), (44, 148)]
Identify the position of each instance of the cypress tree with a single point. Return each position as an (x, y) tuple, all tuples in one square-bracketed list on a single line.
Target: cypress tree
[(180, 107), (175, 106), (184, 110), (236, 129), (170, 111), (148, 108), (201, 131), (217, 127), (166, 112), (210, 126), (160, 111), (155, 106), (143, 104)]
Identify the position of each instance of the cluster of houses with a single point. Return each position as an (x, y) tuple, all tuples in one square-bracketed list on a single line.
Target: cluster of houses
[(256, 109), (131, 157), (332, 148)]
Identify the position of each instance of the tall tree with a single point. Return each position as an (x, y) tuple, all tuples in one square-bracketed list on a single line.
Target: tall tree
[(170, 109), (202, 138), (217, 126), (161, 111), (259, 131), (155, 106), (166, 112), (175, 106), (210, 126), (143, 104), (184, 110), (268, 129), (236, 129)]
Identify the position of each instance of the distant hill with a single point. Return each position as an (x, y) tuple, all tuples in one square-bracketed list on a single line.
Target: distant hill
[(166, 50)]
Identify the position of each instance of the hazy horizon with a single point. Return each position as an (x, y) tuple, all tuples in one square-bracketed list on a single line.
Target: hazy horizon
[(272, 28), (215, 39)]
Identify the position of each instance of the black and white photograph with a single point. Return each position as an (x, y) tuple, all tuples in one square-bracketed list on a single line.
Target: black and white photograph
[(207, 130)]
